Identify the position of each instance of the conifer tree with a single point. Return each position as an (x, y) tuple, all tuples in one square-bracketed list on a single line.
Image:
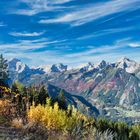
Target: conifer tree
[(43, 94), (3, 71), (15, 88), (17, 92), (62, 100)]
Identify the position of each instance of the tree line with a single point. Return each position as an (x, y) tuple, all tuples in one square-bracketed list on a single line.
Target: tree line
[(25, 97)]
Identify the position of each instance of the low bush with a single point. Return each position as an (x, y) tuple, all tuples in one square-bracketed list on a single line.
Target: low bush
[(7, 109), (70, 122)]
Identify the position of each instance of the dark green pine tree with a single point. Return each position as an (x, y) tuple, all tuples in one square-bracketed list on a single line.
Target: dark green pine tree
[(15, 88), (31, 94), (62, 100), (43, 94), (3, 71), (17, 93), (25, 92)]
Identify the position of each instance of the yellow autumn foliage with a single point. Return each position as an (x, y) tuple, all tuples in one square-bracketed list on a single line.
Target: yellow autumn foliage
[(5, 90), (54, 118)]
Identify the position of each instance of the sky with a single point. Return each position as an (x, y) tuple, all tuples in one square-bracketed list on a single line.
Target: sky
[(72, 32)]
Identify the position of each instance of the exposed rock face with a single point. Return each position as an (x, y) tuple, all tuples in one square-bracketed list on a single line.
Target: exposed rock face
[(21, 72), (104, 84), (58, 68), (129, 65)]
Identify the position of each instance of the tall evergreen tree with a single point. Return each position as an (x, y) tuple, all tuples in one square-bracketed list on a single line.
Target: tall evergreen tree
[(62, 95), (62, 99), (43, 94), (3, 71), (15, 88)]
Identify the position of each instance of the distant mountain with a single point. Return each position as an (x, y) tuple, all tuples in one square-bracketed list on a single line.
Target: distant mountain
[(109, 84), (87, 67), (54, 68), (21, 72), (114, 88), (58, 68), (129, 65)]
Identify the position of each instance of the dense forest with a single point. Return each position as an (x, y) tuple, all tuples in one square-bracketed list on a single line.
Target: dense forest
[(32, 111)]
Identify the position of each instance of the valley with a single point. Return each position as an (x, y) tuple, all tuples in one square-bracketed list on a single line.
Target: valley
[(112, 88)]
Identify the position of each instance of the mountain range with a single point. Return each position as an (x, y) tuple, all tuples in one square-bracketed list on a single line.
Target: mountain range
[(111, 90)]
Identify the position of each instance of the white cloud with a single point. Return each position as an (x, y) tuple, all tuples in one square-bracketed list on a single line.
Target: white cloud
[(135, 44), (25, 45), (38, 6), (59, 1), (106, 52), (27, 34), (106, 32), (102, 49), (92, 12)]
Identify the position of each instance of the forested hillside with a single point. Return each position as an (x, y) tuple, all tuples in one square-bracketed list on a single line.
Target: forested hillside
[(33, 112)]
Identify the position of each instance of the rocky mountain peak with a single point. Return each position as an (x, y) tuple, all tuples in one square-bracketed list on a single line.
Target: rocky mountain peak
[(89, 66), (129, 65), (16, 65), (102, 64), (58, 67)]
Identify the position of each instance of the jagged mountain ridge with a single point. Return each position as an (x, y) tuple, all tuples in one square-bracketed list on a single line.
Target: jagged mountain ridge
[(104, 84), (21, 72), (109, 84), (79, 80)]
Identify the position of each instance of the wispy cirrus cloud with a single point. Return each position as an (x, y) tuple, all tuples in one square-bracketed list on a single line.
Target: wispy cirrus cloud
[(37, 6), (28, 50), (111, 20), (26, 34), (134, 44), (26, 45), (103, 49), (106, 32), (94, 53), (93, 12), (52, 2)]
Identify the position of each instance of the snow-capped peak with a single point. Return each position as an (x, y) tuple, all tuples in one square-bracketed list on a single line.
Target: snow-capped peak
[(125, 60), (87, 67), (16, 65), (127, 64), (45, 68)]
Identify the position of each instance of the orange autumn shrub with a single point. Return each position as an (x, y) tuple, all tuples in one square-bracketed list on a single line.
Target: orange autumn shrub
[(7, 109), (17, 123)]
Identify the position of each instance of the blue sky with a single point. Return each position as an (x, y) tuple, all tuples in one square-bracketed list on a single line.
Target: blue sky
[(69, 31)]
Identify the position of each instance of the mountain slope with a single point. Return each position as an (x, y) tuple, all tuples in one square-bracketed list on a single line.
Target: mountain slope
[(113, 84), (78, 101), (109, 87)]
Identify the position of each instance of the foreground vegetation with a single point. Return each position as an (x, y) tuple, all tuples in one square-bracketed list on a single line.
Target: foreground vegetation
[(37, 116)]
